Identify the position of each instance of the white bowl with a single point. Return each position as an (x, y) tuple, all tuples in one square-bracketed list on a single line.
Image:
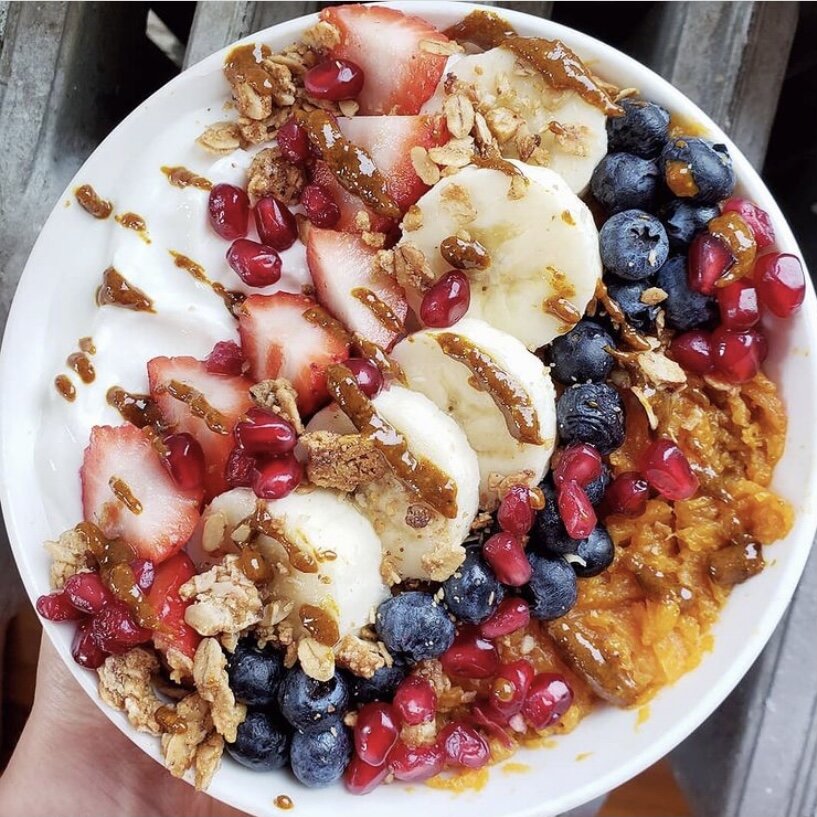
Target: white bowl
[(47, 317)]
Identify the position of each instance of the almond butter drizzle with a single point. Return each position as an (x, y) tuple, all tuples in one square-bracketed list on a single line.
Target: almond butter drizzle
[(253, 564), (81, 364), (562, 309), (138, 409), (320, 624), (679, 179), (232, 300), (284, 802), (462, 254), (117, 291), (263, 522), (418, 474), (87, 345), (170, 721), (92, 202), (121, 490), (737, 235), (388, 367), (635, 340), (500, 164), (318, 316), (199, 407), (135, 222), (65, 387), (180, 176), (379, 308), (242, 66)]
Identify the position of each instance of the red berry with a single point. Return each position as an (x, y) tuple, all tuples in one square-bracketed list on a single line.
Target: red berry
[(576, 510), (376, 732), (334, 79), (548, 699), (515, 513), (87, 653), (627, 494), (293, 141), (447, 301), (709, 259), (184, 460), (57, 607), (367, 375), (115, 630), (470, 656), (506, 556), (320, 208), (580, 462), (265, 433), (87, 593), (226, 358), (737, 355), (510, 687), (239, 469), (693, 351), (277, 477), (361, 778), (758, 220), (738, 305), (512, 614), (144, 572), (229, 210), (492, 722), (415, 700), (464, 746), (780, 283), (276, 225), (255, 264), (416, 763), (667, 469)]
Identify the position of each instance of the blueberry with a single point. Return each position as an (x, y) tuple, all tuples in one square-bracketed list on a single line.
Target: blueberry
[(380, 687), (595, 489), (683, 220), (580, 355), (633, 244), (255, 673), (473, 592), (552, 588), (320, 756), (627, 294), (686, 309), (709, 175), (642, 130), (262, 741), (414, 626), (622, 181), (596, 552), (591, 413), (306, 703), (548, 533)]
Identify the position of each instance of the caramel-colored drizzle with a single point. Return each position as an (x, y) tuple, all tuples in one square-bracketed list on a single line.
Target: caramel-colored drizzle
[(242, 67), (65, 387), (253, 564), (500, 164), (199, 407), (282, 801), (117, 291), (232, 300), (138, 409), (380, 309), (320, 624), (462, 254), (87, 345), (738, 236), (180, 176), (92, 202), (318, 316), (135, 222), (679, 179), (262, 522), (635, 340), (81, 364), (388, 367), (122, 491), (170, 721), (562, 309)]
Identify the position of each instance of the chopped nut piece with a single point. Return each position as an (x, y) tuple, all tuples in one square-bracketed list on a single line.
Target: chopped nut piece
[(388, 570), (660, 370), (571, 138), (341, 461), (181, 665), (442, 561), (644, 398), (363, 658), (270, 174), (213, 684), (500, 484), (180, 748), (482, 134), (69, 555), (503, 123), (653, 295), (317, 660), (348, 107), (482, 520), (125, 684), (456, 153), (323, 36), (273, 627), (207, 760), (459, 115), (214, 532), (250, 103), (279, 397), (432, 670), (222, 137), (363, 221), (413, 219), (421, 734), (376, 240), (428, 172), (411, 270), (442, 48)]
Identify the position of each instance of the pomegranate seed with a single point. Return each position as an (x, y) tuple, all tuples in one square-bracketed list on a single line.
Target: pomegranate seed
[(57, 607), (416, 763), (376, 732), (709, 259), (87, 653), (277, 477), (255, 264), (627, 494), (492, 722), (693, 351), (226, 358), (115, 631), (667, 469), (415, 700), (470, 656), (229, 210), (737, 355), (319, 206), (780, 283), (144, 571), (512, 614), (510, 687), (580, 462), (738, 305), (334, 79), (758, 220), (265, 433), (184, 460), (367, 375), (576, 510), (275, 223), (464, 746), (447, 301), (361, 778), (548, 699), (87, 593), (293, 141), (515, 514), (506, 556), (239, 469)]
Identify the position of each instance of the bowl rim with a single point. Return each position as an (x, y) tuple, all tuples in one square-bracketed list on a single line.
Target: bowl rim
[(747, 176)]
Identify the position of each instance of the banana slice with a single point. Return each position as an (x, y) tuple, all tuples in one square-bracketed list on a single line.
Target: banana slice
[(543, 248), (419, 542), (500, 394), (329, 550), (572, 132)]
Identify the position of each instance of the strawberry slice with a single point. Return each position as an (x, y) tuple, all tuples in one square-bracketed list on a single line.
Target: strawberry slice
[(343, 272), (174, 632), (280, 340), (148, 510), (228, 394), (399, 75)]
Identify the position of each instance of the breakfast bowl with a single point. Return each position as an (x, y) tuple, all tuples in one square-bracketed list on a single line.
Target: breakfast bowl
[(43, 435)]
